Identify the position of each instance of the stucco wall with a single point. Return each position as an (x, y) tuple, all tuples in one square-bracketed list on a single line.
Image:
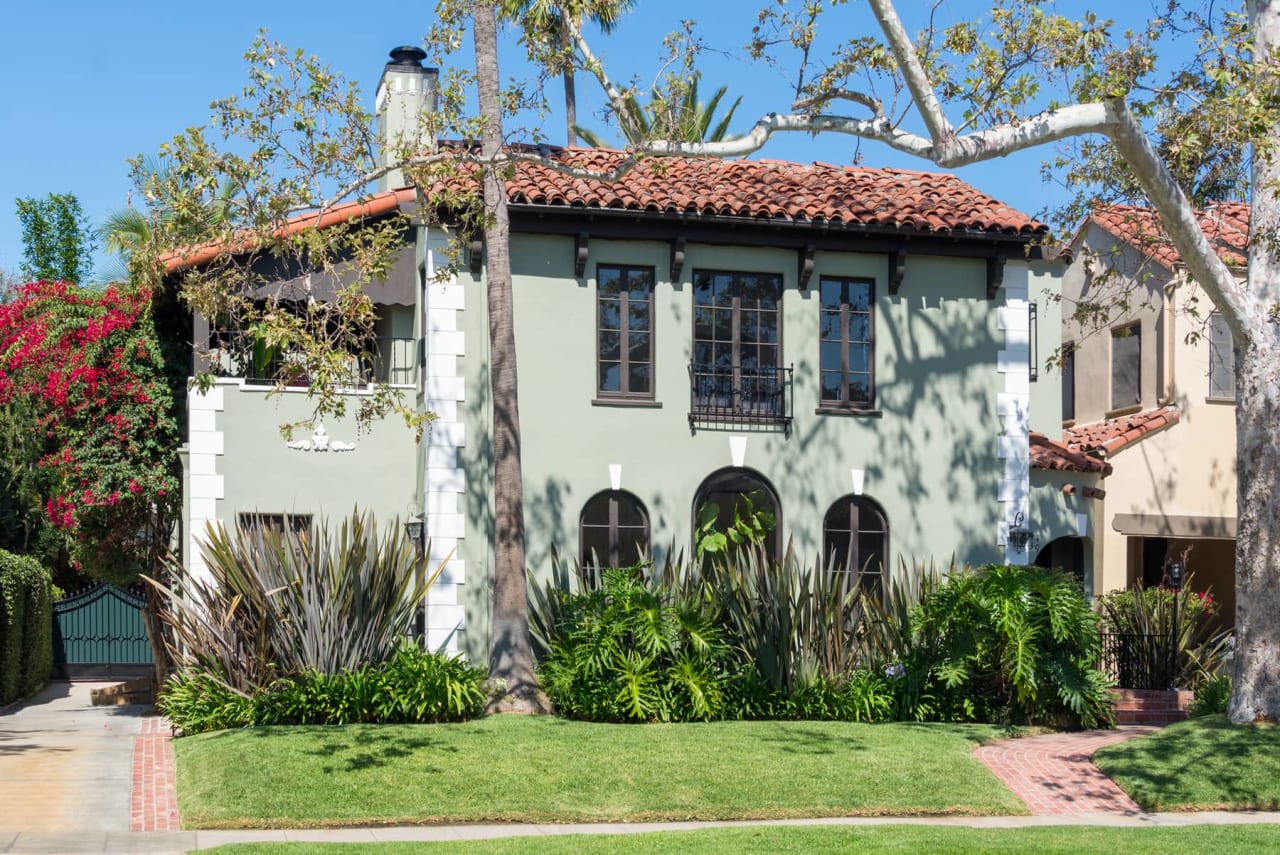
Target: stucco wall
[(930, 459)]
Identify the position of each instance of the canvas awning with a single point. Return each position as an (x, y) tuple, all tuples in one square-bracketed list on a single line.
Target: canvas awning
[(1161, 525)]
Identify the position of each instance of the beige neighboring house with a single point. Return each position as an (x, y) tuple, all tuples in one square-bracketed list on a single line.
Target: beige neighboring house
[(1150, 392)]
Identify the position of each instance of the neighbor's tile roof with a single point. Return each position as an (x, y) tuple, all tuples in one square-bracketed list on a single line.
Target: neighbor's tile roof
[(769, 190), (372, 206), (1109, 436), (1226, 224), (1050, 454)]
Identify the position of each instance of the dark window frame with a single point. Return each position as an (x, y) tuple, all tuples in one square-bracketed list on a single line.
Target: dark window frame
[(1068, 381), (857, 507), (730, 479), (614, 558), (846, 312), (736, 321), (1126, 331), (624, 392), (1219, 336)]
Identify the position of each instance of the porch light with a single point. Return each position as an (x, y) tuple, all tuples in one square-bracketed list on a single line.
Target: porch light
[(415, 527), (1019, 535), (1177, 576)]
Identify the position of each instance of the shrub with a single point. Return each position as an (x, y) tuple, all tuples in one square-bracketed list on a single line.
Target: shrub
[(413, 687), (1161, 638), (1012, 644), (633, 650), (1212, 696), (26, 627), (283, 603)]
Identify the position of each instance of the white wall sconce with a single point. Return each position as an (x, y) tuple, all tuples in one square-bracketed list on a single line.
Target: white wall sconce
[(615, 476), (738, 450), (857, 476)]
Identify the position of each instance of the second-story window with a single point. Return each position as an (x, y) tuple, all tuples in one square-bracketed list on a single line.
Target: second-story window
[(1126, 366), (1068, 381), (846, 344), (1222, 359), (624, 331), (737, 340)]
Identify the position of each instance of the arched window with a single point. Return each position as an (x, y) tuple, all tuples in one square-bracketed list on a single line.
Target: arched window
[(855, 536), (614, 530), (1064, 553), (733, 491)]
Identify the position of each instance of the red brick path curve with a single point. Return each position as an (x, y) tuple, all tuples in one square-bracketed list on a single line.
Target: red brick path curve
[(154, 794), (1055, 775)]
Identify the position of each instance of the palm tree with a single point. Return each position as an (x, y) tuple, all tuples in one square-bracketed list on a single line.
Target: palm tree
[(674, 114), (543, 19)]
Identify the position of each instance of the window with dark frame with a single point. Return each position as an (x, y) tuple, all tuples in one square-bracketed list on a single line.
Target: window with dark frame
[(1222, 359), (624, 331), (1068, 381), (737, 342), (846, 343), (279, 523), (614, 530), (1126, 366), (855, 537), (738, 491)]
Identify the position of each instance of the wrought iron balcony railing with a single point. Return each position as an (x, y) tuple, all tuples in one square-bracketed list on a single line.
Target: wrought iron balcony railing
[(726, 396)]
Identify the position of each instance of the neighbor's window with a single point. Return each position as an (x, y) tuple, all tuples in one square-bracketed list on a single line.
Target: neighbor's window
[(846, 343), (855, 536), (614, 530), (1222, 359), (1068, 381), (624, 331), (1126, 366)]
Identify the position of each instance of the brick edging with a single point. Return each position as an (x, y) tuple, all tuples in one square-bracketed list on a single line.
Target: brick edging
[(153, 792)]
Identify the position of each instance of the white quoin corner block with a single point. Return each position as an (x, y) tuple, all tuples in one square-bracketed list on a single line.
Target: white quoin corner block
[(738, 450)]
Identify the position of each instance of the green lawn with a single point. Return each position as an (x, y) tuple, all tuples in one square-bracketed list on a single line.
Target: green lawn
[(1200, 764), (544, 769), (1060, 840)]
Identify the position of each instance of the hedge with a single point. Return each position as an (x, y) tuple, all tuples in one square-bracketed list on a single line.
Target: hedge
[(26, 627)]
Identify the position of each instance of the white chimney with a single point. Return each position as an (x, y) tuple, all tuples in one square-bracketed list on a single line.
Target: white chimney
[(406, 92)]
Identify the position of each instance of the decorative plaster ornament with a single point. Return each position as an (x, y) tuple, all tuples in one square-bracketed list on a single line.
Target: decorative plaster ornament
[(320, 441)]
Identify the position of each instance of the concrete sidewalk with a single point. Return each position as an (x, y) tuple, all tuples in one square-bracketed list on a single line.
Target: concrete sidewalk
[(66, 765), (184, 841)]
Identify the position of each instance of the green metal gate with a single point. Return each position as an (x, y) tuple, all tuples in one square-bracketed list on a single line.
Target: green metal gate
[(99, 634)]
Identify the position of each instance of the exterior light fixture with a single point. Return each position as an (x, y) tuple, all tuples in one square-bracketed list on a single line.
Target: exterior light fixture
[(1020, 536), (415, 527)]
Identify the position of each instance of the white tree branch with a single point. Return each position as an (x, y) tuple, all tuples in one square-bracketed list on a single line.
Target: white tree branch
[(872, 104), (913, 73)]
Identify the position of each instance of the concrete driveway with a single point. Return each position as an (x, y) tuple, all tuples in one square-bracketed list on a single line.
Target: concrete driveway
[(66, 765)]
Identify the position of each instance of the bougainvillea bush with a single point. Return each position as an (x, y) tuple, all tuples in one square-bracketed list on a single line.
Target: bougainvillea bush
[(88, 367)]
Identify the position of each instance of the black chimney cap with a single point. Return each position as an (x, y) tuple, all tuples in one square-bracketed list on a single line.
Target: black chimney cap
[(407, 56)]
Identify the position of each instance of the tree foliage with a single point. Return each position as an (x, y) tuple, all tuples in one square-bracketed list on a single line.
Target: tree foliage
[(57, 240)]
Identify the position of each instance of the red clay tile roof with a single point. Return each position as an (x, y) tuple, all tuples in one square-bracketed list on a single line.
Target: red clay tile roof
[(372, 206), (1050, 454), (769, 190), (1109, 436), (1226, 224)]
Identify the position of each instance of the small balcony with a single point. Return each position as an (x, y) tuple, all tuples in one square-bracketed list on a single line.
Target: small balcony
[(388, 360), (738, 397)]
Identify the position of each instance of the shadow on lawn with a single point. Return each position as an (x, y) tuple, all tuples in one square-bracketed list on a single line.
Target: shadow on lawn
[(1205, 762), (354, 750)]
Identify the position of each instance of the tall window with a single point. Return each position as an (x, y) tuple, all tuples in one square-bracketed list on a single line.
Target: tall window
[(1068, 381), (737, 341), (1222, 359), (846, 343), (1126, 366), (624, 331), (614, 530), (855, 536)]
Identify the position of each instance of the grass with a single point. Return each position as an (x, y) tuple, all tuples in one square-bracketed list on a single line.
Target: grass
[(1059, 840), (543, 769), (1201, 764)]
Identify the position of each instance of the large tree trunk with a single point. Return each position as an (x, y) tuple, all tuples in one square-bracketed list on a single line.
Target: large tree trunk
[(511, 659), (570, 96)]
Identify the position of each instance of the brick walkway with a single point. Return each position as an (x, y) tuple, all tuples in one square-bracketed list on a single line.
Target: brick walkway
[(155, 796), (1054, 774)]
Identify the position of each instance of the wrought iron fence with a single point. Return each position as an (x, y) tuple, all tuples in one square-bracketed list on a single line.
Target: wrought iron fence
[(732, 395), (1140, 661)]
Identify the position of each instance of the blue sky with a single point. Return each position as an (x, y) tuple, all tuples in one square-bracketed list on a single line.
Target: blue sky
[(90, 84)]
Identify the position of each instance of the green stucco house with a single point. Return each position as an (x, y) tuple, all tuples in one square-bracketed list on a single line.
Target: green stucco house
[(850, 348)]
